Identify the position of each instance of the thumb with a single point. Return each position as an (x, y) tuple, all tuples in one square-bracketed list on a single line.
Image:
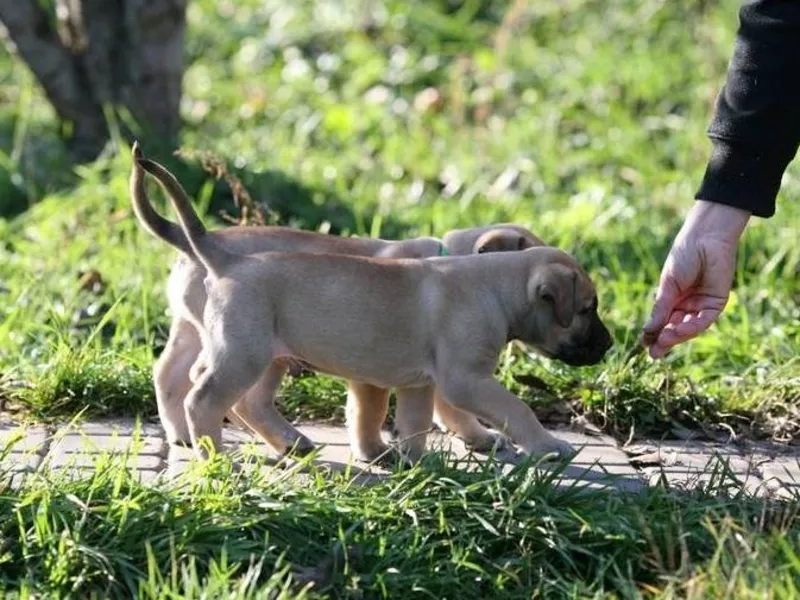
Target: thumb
[(666, 298)]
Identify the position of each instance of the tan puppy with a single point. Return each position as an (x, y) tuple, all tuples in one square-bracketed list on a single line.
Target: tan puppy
[(366, 405), (414, 325)]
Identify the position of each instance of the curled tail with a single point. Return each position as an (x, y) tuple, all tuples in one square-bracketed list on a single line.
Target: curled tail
[(152, 221), (198, 245)]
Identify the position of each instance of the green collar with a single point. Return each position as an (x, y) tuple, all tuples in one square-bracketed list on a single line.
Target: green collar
[(443, 251)]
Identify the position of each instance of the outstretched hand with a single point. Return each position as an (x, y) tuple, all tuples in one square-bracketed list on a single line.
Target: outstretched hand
[(697, 276)]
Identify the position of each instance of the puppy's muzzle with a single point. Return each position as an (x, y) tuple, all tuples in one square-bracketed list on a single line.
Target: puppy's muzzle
[(590, 350)]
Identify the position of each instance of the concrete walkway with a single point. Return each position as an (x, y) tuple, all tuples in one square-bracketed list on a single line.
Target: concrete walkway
[(761, 469)]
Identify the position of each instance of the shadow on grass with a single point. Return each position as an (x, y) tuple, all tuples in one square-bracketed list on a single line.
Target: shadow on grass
[(44, 168)]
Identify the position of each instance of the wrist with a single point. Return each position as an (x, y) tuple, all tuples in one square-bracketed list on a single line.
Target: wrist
[(719, 221)]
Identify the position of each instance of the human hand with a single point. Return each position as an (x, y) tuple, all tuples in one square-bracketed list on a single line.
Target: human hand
[(697, 276)]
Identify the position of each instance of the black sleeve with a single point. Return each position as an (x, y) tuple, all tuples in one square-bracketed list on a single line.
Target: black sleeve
[(756, 127)]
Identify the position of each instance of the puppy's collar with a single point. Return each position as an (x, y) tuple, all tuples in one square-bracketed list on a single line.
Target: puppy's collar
[(443, 251)]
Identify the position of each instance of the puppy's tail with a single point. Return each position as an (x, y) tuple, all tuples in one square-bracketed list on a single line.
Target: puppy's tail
[(195, 241), (152, 221)]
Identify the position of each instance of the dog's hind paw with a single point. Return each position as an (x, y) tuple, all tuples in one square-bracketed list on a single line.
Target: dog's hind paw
[(378, 454), (180, 441)]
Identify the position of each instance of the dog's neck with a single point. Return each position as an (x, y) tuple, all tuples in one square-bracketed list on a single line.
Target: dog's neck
[(506, 292), (515, 303)]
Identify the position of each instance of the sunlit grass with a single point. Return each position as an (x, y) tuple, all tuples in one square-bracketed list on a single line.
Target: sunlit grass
[(433, 530), (583, 120)]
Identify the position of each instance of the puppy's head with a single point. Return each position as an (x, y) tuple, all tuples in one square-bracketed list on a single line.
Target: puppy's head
[(562, 320), (505, 239), (491, 238)]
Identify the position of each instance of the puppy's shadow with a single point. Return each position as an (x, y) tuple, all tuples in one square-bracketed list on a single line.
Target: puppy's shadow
[(592, 467)]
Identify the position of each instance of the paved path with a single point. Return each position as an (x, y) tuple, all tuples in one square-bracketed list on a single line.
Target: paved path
[(761, 469)]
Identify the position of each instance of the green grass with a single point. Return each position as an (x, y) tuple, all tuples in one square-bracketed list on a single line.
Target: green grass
[(581, 119), (432, 531), (585, 123)]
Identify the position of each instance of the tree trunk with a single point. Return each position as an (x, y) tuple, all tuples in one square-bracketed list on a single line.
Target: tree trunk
[(102, 55)]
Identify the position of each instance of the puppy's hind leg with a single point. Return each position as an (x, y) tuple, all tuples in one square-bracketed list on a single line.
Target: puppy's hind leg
[(172, 382), (257, 410), (365, 412), (414, 417), (228, 374)]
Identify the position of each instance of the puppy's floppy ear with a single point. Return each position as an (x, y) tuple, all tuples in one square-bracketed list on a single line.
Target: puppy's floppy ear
[(500, 240), (556, 286)]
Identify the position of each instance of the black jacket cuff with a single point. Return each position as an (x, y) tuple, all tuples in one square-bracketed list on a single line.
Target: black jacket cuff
[(743, 177)]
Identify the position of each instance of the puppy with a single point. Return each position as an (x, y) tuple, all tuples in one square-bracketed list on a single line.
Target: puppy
[(418, 326), (366, 404)]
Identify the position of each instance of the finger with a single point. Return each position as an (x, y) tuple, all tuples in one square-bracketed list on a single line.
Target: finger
[(657, 351), (697, 303), (677, 317), (691, 326), (666, 298)]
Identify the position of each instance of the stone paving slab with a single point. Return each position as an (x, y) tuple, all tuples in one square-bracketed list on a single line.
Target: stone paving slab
[(761, 468), (30, 439), (136, 462), (782, 476), (81, 442), (687, 479), (22, 461), (755, 467), (119, 427), (784, 469), (599, 463)]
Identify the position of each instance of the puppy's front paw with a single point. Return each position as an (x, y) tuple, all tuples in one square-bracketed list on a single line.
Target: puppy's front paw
[(302, 447), (553, 448)]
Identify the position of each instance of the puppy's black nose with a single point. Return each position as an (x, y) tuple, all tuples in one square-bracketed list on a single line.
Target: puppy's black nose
[(602, 337)]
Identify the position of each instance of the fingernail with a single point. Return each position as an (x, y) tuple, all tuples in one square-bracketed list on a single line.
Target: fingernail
[(648, 338)]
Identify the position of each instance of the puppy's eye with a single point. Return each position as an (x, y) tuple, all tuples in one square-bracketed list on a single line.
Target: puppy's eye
[(482, 249)]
